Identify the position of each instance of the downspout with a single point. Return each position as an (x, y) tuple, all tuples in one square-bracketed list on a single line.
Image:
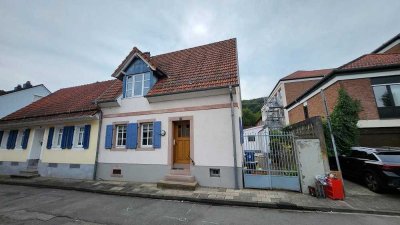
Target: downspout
[(98, 146), (235, 172)]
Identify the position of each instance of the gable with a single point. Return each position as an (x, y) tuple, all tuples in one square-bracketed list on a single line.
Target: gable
[(137, 66)]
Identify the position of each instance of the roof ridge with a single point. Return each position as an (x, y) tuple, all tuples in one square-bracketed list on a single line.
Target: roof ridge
[(185, 49), (81, 85)]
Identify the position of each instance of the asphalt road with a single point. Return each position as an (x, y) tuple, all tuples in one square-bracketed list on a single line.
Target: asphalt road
[(28, 205)]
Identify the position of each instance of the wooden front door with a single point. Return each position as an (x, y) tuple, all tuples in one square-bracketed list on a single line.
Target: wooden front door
[(182, 142)]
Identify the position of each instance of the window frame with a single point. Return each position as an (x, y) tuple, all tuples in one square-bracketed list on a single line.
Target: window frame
[(77, 132), (116, 127), (131, 80), (3, 144), (20, 139), (148, 137), (57, 136), (392, 111)]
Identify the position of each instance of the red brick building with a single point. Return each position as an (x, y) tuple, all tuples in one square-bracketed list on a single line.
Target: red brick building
[(374, 79)]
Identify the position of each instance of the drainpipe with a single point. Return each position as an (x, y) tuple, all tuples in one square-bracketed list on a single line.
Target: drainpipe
[(234, 140), (98, 146)]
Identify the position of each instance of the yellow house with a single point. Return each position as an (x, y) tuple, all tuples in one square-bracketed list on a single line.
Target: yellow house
[(55, 136)]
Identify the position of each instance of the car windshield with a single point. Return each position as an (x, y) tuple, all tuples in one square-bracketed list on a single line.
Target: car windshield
[(389, 157)]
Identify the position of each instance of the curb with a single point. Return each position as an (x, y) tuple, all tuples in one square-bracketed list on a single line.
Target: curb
[(280, 205)]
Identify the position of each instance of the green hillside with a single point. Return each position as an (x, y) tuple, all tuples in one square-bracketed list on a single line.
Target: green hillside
[(251, 111)]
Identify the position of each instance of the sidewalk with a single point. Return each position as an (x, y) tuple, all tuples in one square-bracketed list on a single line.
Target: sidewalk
[(358, 200)]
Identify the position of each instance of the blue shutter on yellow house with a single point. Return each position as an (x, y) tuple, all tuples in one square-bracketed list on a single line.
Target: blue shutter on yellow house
[(50, 138), (70, 139), (109, 136), (25, 138), (86, 137), (157, 134), (131, 136), (12, 138)]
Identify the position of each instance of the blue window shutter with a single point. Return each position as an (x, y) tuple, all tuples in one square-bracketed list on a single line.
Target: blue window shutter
[(12, 138), (109, 136), (241, 131), (1, 136), (86, 137), (124, 87), (50, 138), (131, 136), (26, 138), (157, 134), (70, 137), (64, 138)]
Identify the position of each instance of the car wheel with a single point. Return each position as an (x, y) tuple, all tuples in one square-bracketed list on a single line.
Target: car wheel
[(373, 182)]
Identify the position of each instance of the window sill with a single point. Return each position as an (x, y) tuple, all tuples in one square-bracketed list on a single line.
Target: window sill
[(145, 149), (119, 149), (116, 175)]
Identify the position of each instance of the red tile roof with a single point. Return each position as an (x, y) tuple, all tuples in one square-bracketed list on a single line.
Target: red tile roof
[(204, 67), (302, 74), (66, 102), (111, 93), (372, 60)]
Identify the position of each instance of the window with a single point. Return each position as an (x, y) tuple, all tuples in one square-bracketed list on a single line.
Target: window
[(20, 137), (58, 137), (79, 136), (146, 134), (120, 136), (215, 172), (137, 85), (251, 138), (387, 97), (116, 173), (3, 143)]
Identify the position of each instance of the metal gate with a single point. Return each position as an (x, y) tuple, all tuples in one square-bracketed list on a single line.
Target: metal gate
[(270, 161)]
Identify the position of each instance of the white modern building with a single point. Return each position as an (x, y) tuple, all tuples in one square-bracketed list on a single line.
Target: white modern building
[(11, 101)]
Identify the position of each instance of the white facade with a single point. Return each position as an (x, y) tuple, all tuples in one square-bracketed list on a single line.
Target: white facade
[(13, 101), (211, 136)]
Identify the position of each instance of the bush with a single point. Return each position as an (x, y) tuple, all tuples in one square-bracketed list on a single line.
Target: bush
[(344, 120)]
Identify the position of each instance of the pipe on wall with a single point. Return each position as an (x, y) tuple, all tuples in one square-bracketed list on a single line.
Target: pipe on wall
[(235, 172), (98, 146)]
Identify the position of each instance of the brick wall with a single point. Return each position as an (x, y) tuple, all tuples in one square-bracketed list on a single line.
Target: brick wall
[(293, 90), (358, 89)]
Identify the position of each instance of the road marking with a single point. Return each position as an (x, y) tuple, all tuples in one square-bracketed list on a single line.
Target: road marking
[(177, 218), (203, 221)]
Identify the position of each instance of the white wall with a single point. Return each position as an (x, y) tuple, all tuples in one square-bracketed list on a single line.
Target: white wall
[(212, 131), (10, 103)]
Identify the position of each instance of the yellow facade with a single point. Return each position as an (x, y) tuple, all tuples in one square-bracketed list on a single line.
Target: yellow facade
[(74, 155), (17, 154)]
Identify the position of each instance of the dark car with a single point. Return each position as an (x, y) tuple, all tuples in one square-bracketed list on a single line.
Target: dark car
[(379, 168)]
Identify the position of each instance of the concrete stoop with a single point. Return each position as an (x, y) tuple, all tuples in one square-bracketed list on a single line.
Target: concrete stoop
[(178, 179), (27, 174)]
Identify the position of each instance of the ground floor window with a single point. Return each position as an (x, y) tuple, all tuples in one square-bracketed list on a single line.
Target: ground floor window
[(120, 136), (146, 134), (79, 136)]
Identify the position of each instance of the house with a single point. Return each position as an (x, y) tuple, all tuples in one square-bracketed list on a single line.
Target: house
[(256, 139), (21, 96), (286, 91), (55, 136), (374, 80), (174, 117)]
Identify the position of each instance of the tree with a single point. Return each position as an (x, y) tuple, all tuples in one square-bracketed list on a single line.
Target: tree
[(344, 120), (249, 118)]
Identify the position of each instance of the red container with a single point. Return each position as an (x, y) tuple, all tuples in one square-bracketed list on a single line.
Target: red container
[(334, 189)]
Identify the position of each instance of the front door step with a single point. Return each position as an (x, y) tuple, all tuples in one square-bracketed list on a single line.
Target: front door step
[(29, 173), (177, 185), (181, 178)]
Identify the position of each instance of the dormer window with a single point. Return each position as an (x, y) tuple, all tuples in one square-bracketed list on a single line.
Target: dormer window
[(137, 85)]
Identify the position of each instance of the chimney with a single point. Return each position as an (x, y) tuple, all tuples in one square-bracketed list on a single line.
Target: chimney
[(27, 85), (147, 54), (18, 87)]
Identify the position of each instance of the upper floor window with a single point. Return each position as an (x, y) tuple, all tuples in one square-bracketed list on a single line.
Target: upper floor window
[(387, 96), (137, 85)]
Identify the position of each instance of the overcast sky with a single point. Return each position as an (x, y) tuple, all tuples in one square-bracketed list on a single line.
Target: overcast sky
[(67, 43)]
